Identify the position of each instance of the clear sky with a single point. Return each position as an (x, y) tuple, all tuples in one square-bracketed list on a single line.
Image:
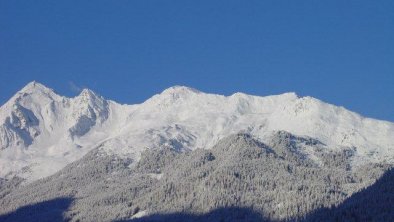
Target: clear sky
[(341, 52)]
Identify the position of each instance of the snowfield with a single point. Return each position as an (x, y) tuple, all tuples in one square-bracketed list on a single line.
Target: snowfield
[(41, 131)]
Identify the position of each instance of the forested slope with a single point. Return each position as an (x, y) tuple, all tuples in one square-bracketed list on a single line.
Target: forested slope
[(239, 179)]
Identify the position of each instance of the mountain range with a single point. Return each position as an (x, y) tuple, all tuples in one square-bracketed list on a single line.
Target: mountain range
[(188, 155)]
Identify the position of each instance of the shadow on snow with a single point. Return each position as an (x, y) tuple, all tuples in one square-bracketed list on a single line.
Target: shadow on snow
[(51, 210), (374, 203)]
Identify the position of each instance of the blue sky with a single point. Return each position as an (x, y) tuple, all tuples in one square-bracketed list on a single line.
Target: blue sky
[(341, 52)]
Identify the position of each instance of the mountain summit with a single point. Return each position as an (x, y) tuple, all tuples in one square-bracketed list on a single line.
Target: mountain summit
[(41, 131)]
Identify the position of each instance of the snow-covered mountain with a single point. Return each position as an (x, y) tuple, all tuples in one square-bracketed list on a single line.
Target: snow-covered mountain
[(41, 131)]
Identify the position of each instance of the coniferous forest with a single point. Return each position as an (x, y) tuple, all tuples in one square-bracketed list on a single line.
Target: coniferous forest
[(239, 179)]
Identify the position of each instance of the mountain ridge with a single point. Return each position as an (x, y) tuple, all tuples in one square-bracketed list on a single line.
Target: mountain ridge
[(40, 128)]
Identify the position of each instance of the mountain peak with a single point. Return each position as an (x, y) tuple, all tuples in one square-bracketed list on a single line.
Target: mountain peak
[(35, 86), (179, 90), (88, 93), (290, 94), (287, 96), (173, 94), (32, 90), (90, 97)]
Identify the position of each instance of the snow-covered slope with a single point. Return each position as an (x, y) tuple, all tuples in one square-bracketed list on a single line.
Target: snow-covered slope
[(41, 132)]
